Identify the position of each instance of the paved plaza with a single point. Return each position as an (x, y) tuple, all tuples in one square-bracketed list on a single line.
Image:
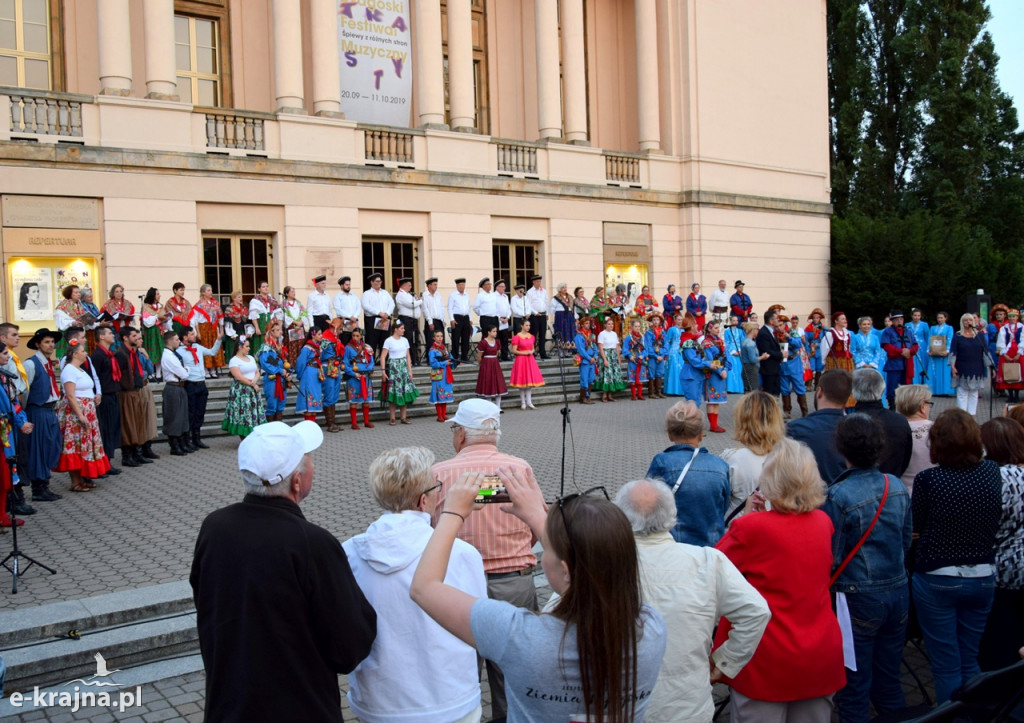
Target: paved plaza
[(139, 529)]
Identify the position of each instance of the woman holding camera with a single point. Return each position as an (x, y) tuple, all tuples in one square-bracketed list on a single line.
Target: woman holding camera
[(596, 657)]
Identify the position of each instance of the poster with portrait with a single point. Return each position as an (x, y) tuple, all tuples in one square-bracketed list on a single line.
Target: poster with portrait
[(32, 289)]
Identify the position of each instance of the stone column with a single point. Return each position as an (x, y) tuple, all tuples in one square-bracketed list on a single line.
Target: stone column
[(429, 63), (287, 28), (161, 75), (549, 102), (115, 47), (461, 95), (574, 72), (323, 21), (649, 113)]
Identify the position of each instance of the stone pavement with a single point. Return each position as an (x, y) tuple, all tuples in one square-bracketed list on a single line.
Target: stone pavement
[(139, 529)]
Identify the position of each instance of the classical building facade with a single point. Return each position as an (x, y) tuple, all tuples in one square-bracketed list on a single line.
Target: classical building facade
[(145, 142)]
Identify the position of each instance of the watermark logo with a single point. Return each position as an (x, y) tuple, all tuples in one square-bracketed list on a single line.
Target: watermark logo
[(89, 694)]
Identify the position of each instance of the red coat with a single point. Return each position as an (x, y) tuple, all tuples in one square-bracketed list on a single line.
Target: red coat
[(788, 559)]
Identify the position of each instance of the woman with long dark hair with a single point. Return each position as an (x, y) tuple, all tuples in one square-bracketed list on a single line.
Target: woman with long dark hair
[(596, 656)]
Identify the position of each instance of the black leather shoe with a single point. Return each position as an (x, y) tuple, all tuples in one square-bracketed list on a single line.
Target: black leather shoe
[(147, 451), (23, 509), (198, 442), (112, 471), (186, 444), (129, 457), (44, 495), (176, 450)]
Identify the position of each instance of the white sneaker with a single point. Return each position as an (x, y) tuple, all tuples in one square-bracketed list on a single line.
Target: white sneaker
[(530, 405)]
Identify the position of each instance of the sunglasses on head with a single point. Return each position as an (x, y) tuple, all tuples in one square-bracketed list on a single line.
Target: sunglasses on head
[(563, 501)]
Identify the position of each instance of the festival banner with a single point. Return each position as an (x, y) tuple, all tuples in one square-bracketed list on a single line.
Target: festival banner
[(374, 45)]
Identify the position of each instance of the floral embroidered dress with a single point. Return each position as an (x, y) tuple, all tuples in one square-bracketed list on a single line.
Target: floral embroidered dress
[(401, 389), (716, 388), (206, 318), (609, 372), (236, 318), (153, 332), (296, 323), (246, 407), (121, 313), (311, 376), (82, 448), (441, 378), (358, 364), (261, 310), (66, 315)]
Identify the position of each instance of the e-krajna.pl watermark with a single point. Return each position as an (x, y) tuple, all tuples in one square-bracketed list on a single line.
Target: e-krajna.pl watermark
[(75, 700)]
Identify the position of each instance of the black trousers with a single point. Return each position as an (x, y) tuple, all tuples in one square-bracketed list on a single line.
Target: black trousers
[(460, 337), (771, 384), (505, 336), (412, 336), (197, 395), (374, 337), (108, 415), (539, 329), (321, 322), (517, 324)]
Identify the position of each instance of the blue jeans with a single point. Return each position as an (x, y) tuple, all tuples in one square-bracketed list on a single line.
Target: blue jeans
[(952, 612), (879, 633)]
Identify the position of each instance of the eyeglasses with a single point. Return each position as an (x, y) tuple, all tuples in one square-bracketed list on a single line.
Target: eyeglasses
[(437, 486), (563, 501)]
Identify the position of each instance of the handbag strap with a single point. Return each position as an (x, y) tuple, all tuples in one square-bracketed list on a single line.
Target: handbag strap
[(679, 480), (864, 538)]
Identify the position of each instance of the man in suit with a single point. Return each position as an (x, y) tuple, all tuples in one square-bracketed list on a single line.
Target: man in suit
[(768, 344)]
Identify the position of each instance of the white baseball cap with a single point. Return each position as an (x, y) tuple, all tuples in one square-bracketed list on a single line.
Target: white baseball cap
[(273, 450), (472, 413)]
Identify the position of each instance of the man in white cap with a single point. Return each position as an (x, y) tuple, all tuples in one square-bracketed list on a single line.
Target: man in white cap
[(504, 541), (279, 613)]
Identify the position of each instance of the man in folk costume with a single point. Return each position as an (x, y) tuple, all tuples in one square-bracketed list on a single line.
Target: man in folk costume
[(586, 357), (318, 305), (358, 365), (718, 303), (792, 371), (206, 320), (348, 308), (108, 411), (10, 336), (310, 371), (636, 354), (179, 308), (1008, 348), (900, 348), (740, 303), (175, 398), (812, 341), (262, 308), (274, 370), (654, 342), (332, 351), (12, 421), (378, 306), (193, 357), (134, 422), (44, 444)]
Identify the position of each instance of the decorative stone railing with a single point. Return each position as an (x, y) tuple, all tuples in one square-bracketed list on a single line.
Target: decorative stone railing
[(387, 144), (622, 168), (41, 113), (516, 158), (234, 129)]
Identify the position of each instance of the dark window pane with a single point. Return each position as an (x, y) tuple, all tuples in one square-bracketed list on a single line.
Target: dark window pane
[(223, 285), (245, 246), (260, 252)]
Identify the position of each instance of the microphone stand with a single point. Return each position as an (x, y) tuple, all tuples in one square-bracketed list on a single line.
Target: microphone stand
[(16, 555), (566, 411)]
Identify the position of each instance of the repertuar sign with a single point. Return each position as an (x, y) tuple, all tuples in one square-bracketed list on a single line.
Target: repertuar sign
[(374, 44)]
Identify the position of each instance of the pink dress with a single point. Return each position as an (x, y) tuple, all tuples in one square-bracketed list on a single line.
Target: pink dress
[(525, 372)]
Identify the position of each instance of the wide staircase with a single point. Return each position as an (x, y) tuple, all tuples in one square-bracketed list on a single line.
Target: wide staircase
[(465, 388)]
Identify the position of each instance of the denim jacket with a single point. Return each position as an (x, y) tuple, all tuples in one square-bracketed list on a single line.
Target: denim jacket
[(851, 503), (703, 497)]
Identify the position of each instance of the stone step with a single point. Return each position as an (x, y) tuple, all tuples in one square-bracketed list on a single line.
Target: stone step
[(128, 628)]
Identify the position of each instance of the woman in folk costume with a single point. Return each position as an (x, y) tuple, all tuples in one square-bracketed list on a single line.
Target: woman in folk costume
[(396, 363), (275, 371), (490, 380), (940, 373), (1008, 347), (309, 369), (358, 365), (207, 320), (654, 342), (674, 358), (835, 345), (617, 304), (580, 305), (90, 308), (719, 366), (66, 315), (733, 337), (920, 329), (645, 305), (179, 308), (673, 305), (155, 321), (262, 308), (635, 352), (697, 305), (332, 352), (82, 455), (586, 357), (296, 323), (599, 306), (441, 378), (12, 421), (813, 333), (236, 319), (695, 364), (793, 371), (118, 312), (565, 320), (997, 319), (609, 372)]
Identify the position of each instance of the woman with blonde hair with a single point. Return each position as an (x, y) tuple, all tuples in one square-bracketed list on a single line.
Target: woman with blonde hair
[(969, 359), (783, 547), (914, 401), (759, 427)]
